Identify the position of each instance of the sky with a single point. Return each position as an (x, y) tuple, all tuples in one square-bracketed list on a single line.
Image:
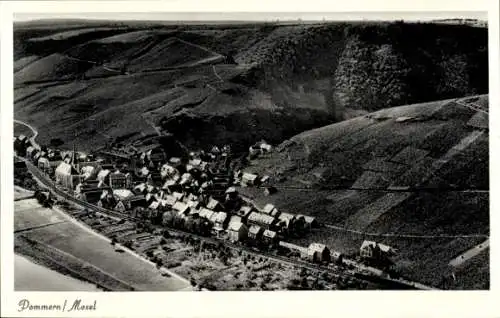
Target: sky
[(249, 16)]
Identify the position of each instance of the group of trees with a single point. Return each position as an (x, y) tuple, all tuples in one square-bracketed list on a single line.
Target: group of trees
[(377, 65), (371, 76), (44, 198), (24, 179)]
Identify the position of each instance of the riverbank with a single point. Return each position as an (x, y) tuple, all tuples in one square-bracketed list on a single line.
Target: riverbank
[(31, 276), (74, 249)]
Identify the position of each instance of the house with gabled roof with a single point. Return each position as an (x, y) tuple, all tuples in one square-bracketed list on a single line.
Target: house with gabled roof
[(255, 233), (237, 232), (154, 205), (248, 179), (286, 220), (271, 210), (206, 213), (245, 211), (214, 205), (270, 237), (181, 207), (193, 204), (169, 201), (220, 220), (310, 221), (270, 190), (263, 220), (179, 196), (318, 252), (377, 252)]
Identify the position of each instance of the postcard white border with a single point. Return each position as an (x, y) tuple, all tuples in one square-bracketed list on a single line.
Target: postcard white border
[(250, 304)]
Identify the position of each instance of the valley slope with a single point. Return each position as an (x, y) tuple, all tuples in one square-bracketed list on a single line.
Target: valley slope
[(232, 83), (414, 177)]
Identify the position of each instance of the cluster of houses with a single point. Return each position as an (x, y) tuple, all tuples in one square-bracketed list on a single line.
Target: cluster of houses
[(197, 194), (44, 158)]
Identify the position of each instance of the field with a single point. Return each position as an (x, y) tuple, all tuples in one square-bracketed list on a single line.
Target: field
[(69, 34), (22, 62), (170, 52), (52, 67)]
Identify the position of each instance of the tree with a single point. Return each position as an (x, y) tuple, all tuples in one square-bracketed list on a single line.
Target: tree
[(159, 263), (304, 283), (56, 142)]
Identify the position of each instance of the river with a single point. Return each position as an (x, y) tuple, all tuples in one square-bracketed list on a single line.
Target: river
[(29, 276)]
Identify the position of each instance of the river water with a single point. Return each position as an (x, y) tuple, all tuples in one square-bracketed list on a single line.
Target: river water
[(29, 276)]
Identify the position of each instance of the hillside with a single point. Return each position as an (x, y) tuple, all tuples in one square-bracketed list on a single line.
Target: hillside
[(232, 83), (418, 172)]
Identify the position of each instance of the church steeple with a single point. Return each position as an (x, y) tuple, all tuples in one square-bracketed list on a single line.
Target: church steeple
[(73, 155)]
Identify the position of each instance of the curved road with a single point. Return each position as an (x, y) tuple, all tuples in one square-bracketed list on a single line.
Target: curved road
[(33, 130)]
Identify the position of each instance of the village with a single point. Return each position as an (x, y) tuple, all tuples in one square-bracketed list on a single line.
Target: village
[(164, 197)]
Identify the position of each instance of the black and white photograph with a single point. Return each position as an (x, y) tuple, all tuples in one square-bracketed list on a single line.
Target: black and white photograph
[(249, 155), (239, 151)]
